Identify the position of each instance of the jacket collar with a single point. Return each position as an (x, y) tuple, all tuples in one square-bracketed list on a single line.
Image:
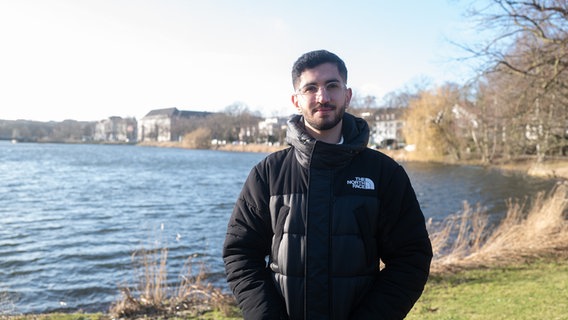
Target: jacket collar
[(313, 153)]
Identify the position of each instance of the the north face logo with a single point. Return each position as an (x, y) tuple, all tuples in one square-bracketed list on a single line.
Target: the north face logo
[(362, 183)]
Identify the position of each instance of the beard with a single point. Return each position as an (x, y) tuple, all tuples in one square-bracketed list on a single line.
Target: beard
[(328, 122)]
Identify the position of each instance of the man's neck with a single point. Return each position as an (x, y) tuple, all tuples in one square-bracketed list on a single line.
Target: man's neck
[(331, 136)]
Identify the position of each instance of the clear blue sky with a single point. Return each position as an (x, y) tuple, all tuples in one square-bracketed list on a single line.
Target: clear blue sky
[(91, 59)]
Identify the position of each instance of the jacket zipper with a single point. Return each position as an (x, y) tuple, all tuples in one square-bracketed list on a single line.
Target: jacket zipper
[(330, 258)]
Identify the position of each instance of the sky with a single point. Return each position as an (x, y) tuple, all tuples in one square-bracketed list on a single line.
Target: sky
[(88, 60)]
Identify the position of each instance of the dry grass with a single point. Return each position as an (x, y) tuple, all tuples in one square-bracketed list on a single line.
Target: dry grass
[(153, 296), (529, 230)]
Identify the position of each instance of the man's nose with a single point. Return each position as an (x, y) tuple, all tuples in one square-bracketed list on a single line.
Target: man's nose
[(322, 96)]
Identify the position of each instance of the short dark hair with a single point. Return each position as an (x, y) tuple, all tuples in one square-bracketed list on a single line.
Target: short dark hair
[(313, 59)]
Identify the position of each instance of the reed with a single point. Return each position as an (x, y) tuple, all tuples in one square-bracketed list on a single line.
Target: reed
[(529, 229), (154, 296)]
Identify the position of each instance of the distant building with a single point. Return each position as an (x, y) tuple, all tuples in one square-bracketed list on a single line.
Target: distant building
[(464, 120), (165, 124), (115, 129), (272, 130), (388, 128)]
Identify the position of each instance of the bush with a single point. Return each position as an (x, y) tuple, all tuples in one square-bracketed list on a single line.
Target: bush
[(199, 138)]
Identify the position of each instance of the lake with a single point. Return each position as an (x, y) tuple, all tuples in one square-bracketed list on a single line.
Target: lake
[(71, 216)]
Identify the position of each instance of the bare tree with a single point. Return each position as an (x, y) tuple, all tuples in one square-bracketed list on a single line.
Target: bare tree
[(529, 53), (363, 102)]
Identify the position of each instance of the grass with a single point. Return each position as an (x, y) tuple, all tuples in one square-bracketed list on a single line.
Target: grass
[(537, 290)]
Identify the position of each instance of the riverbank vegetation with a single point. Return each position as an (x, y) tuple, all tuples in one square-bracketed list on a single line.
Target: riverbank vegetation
[(154, 295)]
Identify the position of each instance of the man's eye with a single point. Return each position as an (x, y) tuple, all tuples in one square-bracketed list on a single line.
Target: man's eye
[(310, 89), (333, 86)]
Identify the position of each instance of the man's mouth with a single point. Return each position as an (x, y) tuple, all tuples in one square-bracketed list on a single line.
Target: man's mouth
[(324, 109)]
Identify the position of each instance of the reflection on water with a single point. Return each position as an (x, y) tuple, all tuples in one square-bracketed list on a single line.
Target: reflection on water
[(72, 215)]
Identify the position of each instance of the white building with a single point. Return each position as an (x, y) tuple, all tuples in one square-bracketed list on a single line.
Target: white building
[(272, 129), (115, 129), (165, 124), (388, 127)]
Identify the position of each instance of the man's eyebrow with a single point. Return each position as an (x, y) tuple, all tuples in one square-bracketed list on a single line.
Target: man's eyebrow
[(314, 83)]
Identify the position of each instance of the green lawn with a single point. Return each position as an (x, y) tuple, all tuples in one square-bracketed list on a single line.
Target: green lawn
[(532, 291)]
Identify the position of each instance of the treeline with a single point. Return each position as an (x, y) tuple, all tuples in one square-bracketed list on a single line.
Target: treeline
[(517, 106), (227, 128), (237, 123), (52, 131)]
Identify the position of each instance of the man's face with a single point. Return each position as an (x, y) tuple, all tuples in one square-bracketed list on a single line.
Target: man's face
[(321, 97)]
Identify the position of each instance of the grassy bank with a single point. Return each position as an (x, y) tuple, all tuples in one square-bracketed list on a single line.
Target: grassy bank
[(535, 290)]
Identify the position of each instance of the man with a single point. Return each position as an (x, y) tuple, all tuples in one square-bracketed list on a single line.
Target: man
[(312, 221)]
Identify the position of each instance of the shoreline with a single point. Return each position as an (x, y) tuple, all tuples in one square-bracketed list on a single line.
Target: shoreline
[(549, 169), (251, 147)]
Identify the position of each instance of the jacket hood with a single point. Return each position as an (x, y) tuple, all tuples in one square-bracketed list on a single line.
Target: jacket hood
[(314, 153)]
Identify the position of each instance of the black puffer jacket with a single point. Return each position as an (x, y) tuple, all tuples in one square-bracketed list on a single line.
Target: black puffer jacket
[(324, 215)]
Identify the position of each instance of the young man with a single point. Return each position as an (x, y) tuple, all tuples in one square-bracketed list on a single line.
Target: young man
[(312, 221)]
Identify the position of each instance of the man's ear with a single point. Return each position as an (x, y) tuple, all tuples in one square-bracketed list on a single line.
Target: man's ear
[(296, 103), (348, 96)]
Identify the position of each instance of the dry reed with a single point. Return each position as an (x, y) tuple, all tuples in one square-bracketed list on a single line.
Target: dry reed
[(528, 230), (154, 296)]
